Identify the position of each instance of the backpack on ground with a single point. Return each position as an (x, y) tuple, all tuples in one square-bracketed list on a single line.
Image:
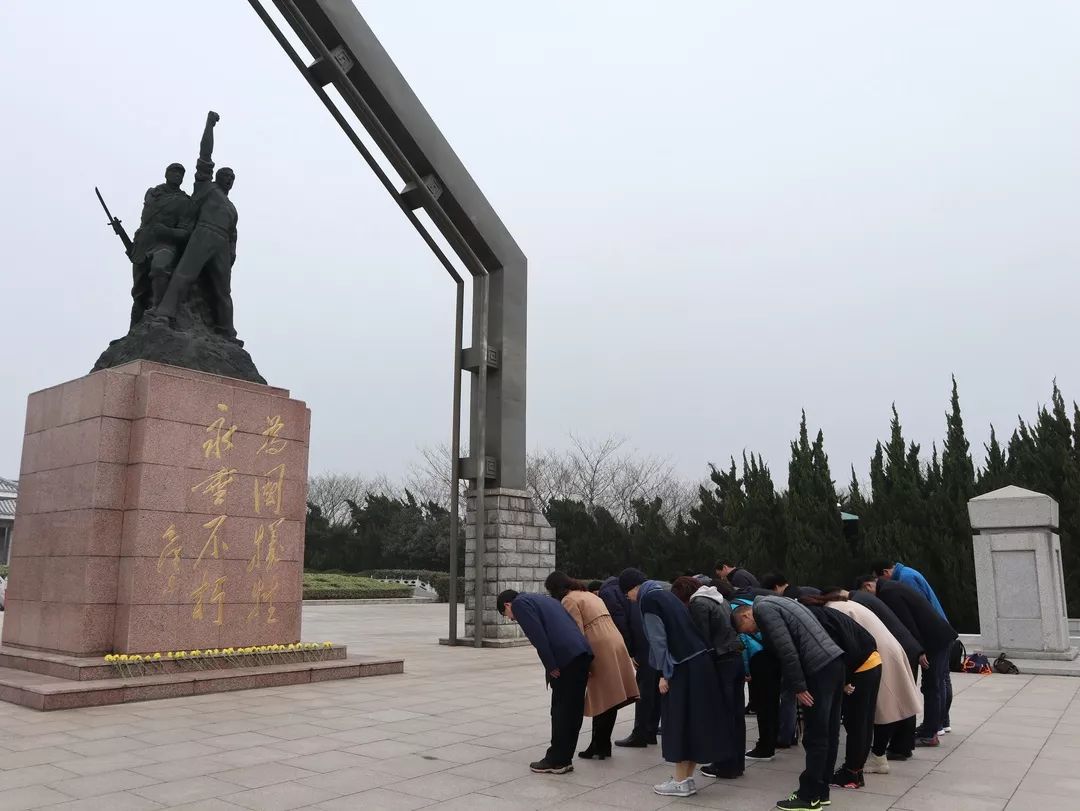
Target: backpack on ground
[(957, 654), (1003, 665), (977, 664)]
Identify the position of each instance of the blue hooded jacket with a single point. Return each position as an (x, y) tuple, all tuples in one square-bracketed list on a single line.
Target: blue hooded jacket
[(913, 577)]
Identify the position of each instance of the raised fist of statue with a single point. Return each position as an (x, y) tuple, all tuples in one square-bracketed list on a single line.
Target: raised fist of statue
[(212, 118)]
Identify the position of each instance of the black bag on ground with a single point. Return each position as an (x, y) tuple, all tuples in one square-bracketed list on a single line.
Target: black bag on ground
[(957, 653), (1003, 665)]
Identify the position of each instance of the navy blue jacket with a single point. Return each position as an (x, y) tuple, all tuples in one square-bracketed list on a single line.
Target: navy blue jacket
[(551, 630), (618, 605)]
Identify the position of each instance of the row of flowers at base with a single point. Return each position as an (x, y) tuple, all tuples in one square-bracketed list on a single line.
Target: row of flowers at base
[(295, 647)]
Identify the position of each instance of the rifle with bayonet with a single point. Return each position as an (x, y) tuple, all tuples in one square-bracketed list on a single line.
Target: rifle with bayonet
[(114, 222)]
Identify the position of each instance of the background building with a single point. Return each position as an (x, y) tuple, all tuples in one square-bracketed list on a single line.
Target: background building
[(8, 491)]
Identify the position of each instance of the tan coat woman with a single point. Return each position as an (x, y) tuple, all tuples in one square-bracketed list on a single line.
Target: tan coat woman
[(612, 679)]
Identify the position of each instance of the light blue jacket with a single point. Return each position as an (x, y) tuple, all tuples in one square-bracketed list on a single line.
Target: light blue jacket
[(913, 577)]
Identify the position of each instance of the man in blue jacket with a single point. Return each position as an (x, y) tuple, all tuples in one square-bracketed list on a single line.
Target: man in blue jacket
[(900, 573), (566, 656)]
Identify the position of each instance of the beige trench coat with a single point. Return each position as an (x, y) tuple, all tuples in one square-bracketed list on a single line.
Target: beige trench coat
[(898, 697), (612, 681)]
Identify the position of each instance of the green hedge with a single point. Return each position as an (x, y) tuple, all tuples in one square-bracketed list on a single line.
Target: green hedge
[(3, 571), (340, 586), (440, 581)]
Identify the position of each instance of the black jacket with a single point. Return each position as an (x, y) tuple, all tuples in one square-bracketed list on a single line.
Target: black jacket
[(855, 641), (932, 631), (912, 646), (742, 579)]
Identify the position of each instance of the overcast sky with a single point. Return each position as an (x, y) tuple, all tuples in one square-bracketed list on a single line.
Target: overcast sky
[(731, 211)]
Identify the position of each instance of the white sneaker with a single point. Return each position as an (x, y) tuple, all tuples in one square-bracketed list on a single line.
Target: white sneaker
[(945, 730), (676, 788), (877, 764)]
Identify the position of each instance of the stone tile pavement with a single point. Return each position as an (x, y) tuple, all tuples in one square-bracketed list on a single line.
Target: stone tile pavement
[(458, 730)]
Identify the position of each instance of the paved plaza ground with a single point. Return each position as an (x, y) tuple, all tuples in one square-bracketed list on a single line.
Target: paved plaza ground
[(458, 730)]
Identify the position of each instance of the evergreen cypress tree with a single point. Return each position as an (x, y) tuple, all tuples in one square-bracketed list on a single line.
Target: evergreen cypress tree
[(996, 474), (816, 544), (899, 510), (957, 487)]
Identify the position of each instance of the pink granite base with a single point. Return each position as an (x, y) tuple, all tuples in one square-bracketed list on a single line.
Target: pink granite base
[(43, 692), (159, 509)]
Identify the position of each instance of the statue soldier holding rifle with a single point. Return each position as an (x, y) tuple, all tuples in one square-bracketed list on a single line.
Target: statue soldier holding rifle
[(159, 240), (162, 232), (211, 248)]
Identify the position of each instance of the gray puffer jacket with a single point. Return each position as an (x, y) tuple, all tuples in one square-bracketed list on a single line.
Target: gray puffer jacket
[(797, 639), (711, 614)]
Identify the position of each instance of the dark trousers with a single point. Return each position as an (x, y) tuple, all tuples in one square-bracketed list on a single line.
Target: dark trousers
[(896, 739), (602, 726), (935, 693), (821, 730), (859, 708), (732, 677), (789, 718), (647, 709), (567, 711), (765, 696), (947, 721), (207, 256)]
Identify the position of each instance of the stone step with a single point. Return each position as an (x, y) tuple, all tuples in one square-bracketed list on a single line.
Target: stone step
[(93, 668), (42, 692)]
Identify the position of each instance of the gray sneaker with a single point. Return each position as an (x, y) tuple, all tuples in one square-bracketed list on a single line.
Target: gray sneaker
[(674, 788)]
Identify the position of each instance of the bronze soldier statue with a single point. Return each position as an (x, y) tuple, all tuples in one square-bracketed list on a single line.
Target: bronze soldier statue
[(211, 248), (158, 241)]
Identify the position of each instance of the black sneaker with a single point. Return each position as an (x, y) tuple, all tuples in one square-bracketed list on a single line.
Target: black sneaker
[(898, 756), (759, 756), (796, 803), (634, 741), (710, 770), (844, 778), (543, 767)]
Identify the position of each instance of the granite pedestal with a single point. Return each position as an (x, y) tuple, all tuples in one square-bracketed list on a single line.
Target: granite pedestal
[(1019, 575), (160, 509)]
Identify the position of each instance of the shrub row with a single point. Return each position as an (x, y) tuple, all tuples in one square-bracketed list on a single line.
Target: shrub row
[(341, 586)]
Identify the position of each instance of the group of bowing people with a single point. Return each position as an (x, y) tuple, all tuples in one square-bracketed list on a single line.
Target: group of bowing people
[(684, 652)]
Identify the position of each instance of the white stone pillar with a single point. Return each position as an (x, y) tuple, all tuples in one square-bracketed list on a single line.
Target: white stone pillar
[(1018, 574)]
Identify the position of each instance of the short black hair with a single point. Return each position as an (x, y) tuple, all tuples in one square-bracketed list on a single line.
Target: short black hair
[(594, 585), (720, 564), (773, 579), (879, 566), (507, 596), (861, 580), (833, 590)]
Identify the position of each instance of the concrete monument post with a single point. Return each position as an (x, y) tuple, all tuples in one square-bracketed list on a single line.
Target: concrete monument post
[(1019, 575)]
